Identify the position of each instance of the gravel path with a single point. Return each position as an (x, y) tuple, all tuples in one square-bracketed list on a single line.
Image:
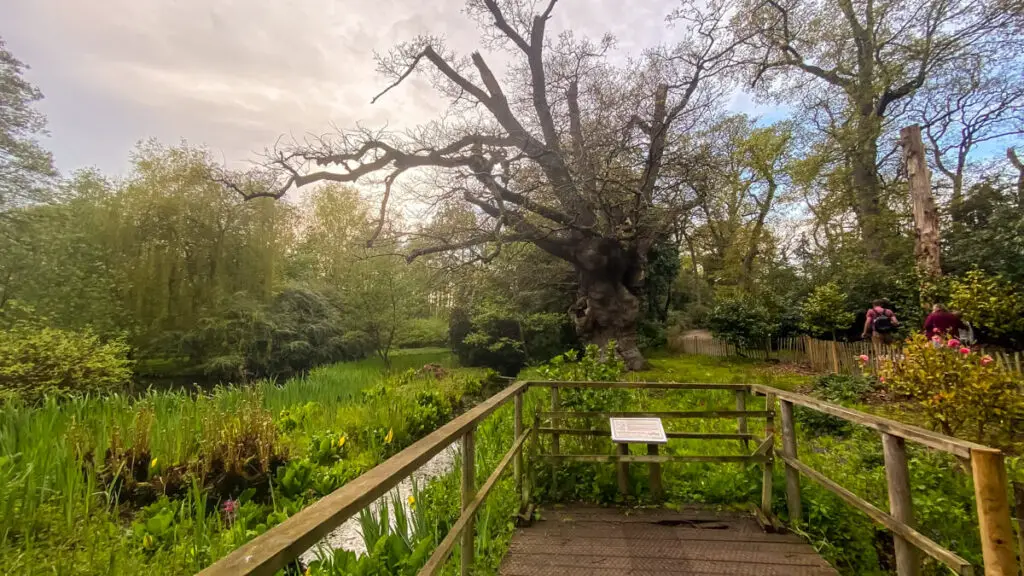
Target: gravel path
[(349, 536)]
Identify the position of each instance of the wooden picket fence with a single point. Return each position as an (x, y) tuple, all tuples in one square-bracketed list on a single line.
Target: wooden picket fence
[(822, 355)]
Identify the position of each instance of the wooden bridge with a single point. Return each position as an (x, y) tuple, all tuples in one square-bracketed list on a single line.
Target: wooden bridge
[(599, 542)]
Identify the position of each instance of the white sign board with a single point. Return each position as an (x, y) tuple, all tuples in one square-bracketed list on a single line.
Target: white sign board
[(638, 430)]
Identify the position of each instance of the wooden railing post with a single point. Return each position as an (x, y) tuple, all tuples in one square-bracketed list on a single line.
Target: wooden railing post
[(741, 422), (555, 407), (792, 474), (517, 463), (622, 469), (990, 495), (897, 474), (654, 469), (468, 492), (768, 468)]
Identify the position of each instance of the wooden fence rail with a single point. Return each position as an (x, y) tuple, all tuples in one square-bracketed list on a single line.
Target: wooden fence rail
[(823, 355), (279, 546), (988, 470)]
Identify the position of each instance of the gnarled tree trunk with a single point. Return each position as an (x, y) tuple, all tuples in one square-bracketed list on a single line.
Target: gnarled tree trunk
[(608, 306)]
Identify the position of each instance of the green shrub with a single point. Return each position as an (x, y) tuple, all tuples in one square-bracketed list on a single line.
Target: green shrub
[(742, 321), (992, 304), (594, 365), (496, 336), (825, 312), (423, 333), (432, 410), (844, 388), (36, 361)]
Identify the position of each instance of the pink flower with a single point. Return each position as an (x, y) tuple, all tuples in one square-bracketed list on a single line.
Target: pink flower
[(965, 351), (937, 339), (986, 360), (953, 343), (230, 507), (863, 358), (881, 379)]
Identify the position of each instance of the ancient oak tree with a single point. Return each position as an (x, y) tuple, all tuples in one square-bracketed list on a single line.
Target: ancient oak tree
[(565, 151)]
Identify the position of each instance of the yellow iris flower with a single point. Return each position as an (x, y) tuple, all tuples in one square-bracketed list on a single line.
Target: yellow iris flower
[(390, 436)]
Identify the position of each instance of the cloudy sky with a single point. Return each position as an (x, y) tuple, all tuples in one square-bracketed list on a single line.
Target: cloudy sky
[(236, 74)]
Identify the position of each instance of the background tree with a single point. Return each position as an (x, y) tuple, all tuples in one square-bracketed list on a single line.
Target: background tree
[(970, 107), (26, 168), (855, 61), (566, 153), (826, 311)]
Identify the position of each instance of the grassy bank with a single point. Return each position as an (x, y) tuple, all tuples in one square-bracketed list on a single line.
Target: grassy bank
[(167, 482)]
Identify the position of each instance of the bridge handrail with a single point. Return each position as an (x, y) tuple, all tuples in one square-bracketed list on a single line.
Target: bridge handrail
[(275, 548), (988, 471), (279, 546), (941, 442)]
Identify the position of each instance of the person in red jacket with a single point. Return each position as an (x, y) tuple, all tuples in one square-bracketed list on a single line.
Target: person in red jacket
[(942, 322), (880, 323)]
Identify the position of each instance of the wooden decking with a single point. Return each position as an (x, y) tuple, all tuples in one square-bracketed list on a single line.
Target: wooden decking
[(591, 541)]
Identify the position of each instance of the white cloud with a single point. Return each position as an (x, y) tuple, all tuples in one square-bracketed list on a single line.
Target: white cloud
[(236, 74)]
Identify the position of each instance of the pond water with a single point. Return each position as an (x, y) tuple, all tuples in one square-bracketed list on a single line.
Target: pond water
[(348, 536)]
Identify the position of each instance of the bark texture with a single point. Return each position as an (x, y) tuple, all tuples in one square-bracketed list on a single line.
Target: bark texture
[(926, 215), (608, 306)]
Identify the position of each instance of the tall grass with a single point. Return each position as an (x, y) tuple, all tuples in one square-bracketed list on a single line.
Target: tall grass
[(55, 474)]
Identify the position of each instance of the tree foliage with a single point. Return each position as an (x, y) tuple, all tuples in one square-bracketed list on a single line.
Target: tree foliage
[(992, 304), (743, 322), (26, 168), (198, 280), (826, 311), (38, 361)]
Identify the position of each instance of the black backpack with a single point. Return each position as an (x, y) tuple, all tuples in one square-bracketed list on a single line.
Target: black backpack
[(883, 323)]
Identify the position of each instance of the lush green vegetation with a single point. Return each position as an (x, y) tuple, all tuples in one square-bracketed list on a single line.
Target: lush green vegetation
[(167, 482), (187, 357)]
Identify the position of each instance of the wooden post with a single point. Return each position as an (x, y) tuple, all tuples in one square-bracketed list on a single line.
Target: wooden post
[(654, 469), (768, 468), (926, 216), (741, 422), (990, 495), (835, 357), (517, 464), (1018, 512), (468, 492), (792, 474), (555, 407), (622, 469), (908, 562)]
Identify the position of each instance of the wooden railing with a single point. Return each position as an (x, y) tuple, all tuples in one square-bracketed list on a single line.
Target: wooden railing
[(282, 544), (987, 467), (760, 455)]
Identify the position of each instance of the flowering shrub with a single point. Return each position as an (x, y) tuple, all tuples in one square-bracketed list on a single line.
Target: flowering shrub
[(957, 387)]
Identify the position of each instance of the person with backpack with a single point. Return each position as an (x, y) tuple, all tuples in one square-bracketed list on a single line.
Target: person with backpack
[(880, 323)]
